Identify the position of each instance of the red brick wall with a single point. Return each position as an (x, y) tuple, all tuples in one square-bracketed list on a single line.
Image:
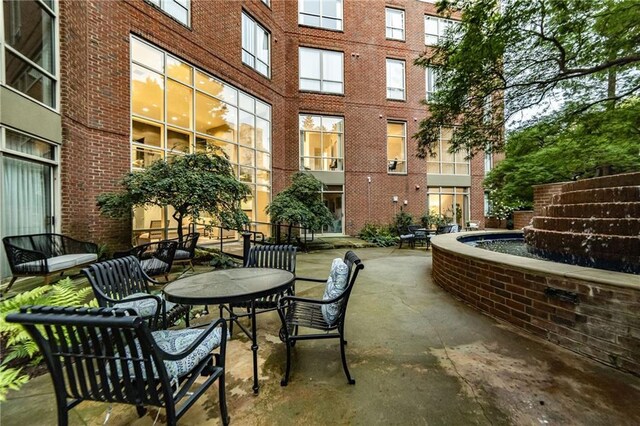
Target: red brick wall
[(522, 218), (604, 324), (542, 195), (96, 99)]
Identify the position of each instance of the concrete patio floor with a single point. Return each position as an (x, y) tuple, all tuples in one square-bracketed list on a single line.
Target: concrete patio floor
[(418, 356)]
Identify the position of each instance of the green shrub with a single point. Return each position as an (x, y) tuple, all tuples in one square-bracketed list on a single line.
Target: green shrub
[(18, 343), (379, 235), (402, 220), (222, 261), (432, 220)]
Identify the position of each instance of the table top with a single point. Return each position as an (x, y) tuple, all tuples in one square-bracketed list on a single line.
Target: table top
[(228, 286)]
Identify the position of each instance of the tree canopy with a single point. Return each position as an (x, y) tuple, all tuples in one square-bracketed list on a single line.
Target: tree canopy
[(301, 203), (192, 184), (520, 53), (561, 150)]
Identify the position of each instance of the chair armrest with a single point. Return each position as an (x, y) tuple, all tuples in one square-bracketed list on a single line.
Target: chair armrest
[(314, 280), (73, 246), (287, 299), (176, 356), (18, 256)]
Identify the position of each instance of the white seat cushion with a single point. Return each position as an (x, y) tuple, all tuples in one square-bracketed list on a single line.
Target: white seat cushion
[(83, 258), (59, 263)]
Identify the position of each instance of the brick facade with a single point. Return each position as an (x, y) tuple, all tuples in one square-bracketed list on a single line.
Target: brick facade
[(95, 96), (604, 324)]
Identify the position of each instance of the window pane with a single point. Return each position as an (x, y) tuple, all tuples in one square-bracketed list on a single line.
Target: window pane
[(263, 160), (176, 10), (179, 70), (332, 66), (262, 45), (178, 140), (216, 146), (313, 85), (28, 80), (430, 26), (312, 21), (247, 103), (331, 145), (247, 126), (309, 122), (208, 84), (330, 124), (147, 133), (263, 135), (263, 177), (147, 93), (248, 34), (332, 8), (143, 157), (309, 63), (179, 104), (309, 6), (247, 174), (216, 118), (29, 30), (311, 144), (330, 87), (147, 55), (246, 157), (28, 145), (433, 168), (331, 23), (263, 110), (395, 129)]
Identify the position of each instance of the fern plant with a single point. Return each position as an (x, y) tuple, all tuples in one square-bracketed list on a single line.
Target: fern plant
[(18, 343)]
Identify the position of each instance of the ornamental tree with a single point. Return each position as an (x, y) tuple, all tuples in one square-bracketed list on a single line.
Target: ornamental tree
[(192, 184), (301, 203)]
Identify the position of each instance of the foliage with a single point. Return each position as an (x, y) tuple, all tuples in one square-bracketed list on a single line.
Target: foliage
[(379, 235), (222, 261), (193, 185), (557, 150), (301, 203), (523, 53), (402, 220), (433, 220), (18, 342)]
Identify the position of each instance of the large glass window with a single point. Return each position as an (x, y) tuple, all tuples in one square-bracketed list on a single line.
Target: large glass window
[(321, 70), (320, 13), (450, 203), (394, 23), (29, 49), (396, 147), (256, 45), (395, 79), (321, 143), (431, 82), (27, 167), (444, 162), (435, 28), (178, 9), (177, 109)]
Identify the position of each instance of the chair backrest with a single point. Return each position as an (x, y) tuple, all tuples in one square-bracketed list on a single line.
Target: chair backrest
[(48, 244), (98, 354), (116, 278), (281, 256), (156, 233), (355, 265), (189, 243), (446, 229)]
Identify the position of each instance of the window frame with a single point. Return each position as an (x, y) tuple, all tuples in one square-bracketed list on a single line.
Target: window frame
[(440, 31), (53, 11), (321, 52), (404, 160), (430, 73), (455, 163), (161, 5), (339, 159), (387, 27), (404, 79), (256, 26), (321, 16)]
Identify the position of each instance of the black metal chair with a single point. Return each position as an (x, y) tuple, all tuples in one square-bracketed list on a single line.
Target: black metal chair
[(110, 355), (406, 236), (186, 250), (281, 256), (156, 258), (298, 312), (420, 235), (123, 283)]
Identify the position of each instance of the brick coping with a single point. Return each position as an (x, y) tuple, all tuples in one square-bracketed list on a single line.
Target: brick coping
[(449, 243)]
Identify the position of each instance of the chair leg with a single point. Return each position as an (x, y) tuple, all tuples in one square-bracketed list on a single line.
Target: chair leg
[(141, 410), (351, 380), (285, 380), (222, 399), (63, 415), (13, 280), (186, 318)]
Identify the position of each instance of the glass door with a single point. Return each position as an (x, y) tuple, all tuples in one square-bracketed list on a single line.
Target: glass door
[(333, 199)]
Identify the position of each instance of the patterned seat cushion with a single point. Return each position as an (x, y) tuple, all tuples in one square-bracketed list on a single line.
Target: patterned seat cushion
[(145, 307), (181, 255), (175, 341), (154, 266), (336, 283)]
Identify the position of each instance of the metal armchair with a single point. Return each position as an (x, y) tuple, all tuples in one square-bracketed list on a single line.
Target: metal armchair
[(186, 250), (156, 258), (298, 312), (110, 355), (123, 283), (420, 235), (406, 236)]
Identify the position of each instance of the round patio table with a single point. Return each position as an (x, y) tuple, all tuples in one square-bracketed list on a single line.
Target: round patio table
[(229, 286)]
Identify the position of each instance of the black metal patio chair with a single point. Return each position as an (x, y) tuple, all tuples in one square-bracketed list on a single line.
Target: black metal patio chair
[(420, 235), (326, 315), (110, 355), (123, 283), (406, 236), (281, 256), (186, 250), (156, 258)]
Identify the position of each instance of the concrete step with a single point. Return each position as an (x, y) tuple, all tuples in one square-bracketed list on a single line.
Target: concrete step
[(598, 195), (587, 210), (626, 179), (595, 225)]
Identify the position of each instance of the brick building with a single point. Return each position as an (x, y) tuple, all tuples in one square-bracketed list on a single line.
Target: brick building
[(90, 90)]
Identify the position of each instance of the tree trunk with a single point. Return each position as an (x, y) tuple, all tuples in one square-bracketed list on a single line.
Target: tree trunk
[(611, 85), (178, 217)]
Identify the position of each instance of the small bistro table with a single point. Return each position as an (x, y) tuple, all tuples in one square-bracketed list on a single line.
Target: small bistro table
[(228, 286)]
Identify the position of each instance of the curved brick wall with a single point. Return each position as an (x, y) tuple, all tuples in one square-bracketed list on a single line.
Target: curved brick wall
[(589, 311)]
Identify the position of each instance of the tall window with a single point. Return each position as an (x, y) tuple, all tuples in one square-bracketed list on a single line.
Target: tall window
[(256, 45), (396, 147), (395, 23), (321, 70), (177, 109), (450, 203), (321, 13), (431, 82), (178, 9), (321, 143), (29, 49), (436, 28), (395, 79), (444, 162), (488, 162)]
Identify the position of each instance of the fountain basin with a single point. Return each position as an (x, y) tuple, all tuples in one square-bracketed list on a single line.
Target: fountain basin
[(589, 311)]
